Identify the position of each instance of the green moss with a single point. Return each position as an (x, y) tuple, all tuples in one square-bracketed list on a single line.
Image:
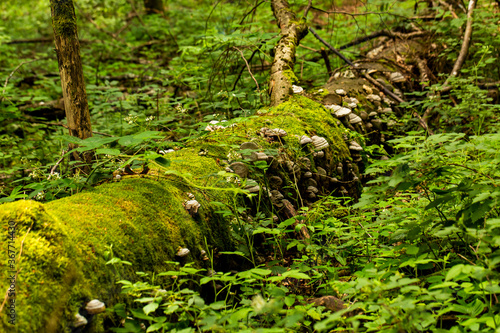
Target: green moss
[(298, 116), (290, 75), (63, 260), (63, 18)]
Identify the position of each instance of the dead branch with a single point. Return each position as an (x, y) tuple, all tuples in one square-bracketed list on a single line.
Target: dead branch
[(324, 54), (248, 67), (15, 70), (31, 40), (465, 46), (350, 63)]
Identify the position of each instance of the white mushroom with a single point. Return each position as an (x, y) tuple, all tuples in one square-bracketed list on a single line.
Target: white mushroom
[(333, 107), (367, 89), (297, 89), (397, 77), (279, 132), (319, 142), (354, 119), (304, 139), (373, 98), (182, 252), (355, 146), (340, 92), (342, 112), (80, 320), (319, 154), (95, 306), (255, 156), (192, 206), (312, 189)]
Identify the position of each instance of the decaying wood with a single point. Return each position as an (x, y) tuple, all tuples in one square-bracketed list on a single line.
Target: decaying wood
[(70, 69), (292, 31)]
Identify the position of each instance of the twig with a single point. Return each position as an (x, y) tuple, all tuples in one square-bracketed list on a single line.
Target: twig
[(465, 46), (30, 40), (324, 54), (369, 78), (53, 169), (15, 70), (62, 125), (461, 57), (366, 76), (248, 67), (306, 11), (251, 11)]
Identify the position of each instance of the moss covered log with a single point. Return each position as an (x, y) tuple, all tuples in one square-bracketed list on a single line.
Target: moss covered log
[(61, 247)]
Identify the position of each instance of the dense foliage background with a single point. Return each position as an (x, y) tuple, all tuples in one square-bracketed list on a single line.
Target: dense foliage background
[(418, 252)]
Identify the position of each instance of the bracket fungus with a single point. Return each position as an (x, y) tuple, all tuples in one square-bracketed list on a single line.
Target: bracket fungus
[(319, 142), (182, 252), (79, 321), (95, 306), (192, 206)]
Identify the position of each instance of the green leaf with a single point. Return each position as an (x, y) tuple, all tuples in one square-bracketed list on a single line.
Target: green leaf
[(151, 307), (108, 151), (162, 161), (454, 272), (155, 327)]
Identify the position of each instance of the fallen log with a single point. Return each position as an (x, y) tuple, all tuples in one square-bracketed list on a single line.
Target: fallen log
[(57, 252)]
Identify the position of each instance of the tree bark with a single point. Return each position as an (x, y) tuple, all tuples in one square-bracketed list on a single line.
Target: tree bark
[(292, 31), (153, 6), (70, 69)]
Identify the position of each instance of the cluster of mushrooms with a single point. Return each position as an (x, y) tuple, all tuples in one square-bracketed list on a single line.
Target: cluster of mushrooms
[(91, 308)]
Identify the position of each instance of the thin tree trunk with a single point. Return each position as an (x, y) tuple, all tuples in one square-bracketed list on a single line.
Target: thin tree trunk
[(70, 69), (292, 31), (153, 6)]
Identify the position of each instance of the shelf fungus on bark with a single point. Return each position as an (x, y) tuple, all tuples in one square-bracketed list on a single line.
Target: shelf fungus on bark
[(297, 89), (397, 77), (339, 111), (257, 156), (192, 206), (304, 139), (182, 252), (319, 154), (239, 168), (252, 186), (355, 146), (203, 255), (80, 321), (340, 92), (319, 142), (374, 98), (95, 306), (354, 119)]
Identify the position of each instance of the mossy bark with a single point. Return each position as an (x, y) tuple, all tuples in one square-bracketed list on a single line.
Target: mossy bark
[(292, 31), (70, 69)]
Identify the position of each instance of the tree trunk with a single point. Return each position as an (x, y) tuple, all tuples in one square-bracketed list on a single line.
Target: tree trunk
[(153, 6), (292, 31), (70, 69)]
